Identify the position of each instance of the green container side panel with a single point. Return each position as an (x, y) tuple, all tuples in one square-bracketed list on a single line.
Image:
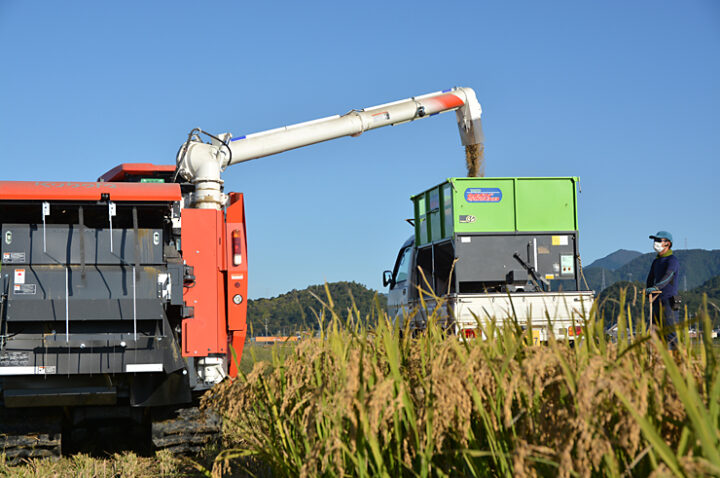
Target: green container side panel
[(421, 204), (435, 226), (435, 218), (487, 205), (472, 205), (546, 205), (421, 236), (447, 210)]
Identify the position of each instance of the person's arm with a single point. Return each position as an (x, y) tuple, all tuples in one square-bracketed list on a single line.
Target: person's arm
[(670, 272), (650, 278)]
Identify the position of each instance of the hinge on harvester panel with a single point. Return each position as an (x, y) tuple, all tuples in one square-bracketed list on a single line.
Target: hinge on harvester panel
[(188, 276), (175, 218)]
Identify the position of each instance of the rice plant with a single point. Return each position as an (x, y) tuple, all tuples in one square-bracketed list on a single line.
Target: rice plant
[(370, 401)]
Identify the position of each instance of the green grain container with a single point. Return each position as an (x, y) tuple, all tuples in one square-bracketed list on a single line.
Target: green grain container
[(487, 205)]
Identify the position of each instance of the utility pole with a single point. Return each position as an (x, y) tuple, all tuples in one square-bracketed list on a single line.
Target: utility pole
[(603, 280)]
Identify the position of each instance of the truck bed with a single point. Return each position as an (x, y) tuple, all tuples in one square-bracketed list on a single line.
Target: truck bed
[(541, 310)]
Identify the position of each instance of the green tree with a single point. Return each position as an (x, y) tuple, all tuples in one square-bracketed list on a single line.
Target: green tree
[(297, 310)]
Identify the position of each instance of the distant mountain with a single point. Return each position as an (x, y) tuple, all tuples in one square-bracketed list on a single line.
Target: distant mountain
[(615, 260), (696, 267), (298, 309)]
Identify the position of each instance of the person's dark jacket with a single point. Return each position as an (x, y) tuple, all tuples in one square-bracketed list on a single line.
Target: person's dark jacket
[(664, 273)]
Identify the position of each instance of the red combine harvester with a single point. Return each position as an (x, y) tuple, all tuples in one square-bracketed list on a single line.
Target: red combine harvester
[(124, 299)]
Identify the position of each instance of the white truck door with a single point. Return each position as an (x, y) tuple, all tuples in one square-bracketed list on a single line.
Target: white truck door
[(401, 282)]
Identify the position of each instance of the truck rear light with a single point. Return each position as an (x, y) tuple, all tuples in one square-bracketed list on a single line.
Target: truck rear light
[(236, 247), (577, 330), (468, 333)]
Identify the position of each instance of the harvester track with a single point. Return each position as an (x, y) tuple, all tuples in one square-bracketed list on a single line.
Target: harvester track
[(37, 433), (29, 434), (185, 431)]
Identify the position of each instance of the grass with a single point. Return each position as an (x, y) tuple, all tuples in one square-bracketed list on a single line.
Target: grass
[(163, 464), (366, 401)]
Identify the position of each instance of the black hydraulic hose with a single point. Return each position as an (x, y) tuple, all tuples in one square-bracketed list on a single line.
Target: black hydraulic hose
[(531, 270), (184, 147), (219, 141), (186, 144), (3, 311)]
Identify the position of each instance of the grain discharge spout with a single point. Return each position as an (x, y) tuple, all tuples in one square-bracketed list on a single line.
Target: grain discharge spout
[(202, 163)]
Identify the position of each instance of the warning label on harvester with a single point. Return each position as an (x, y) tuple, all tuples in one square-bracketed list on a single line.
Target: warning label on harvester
[(14, 358), (13, 258), (19, 276), (24, 289)]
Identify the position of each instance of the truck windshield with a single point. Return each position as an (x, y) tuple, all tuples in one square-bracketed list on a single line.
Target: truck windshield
[(402, 268)]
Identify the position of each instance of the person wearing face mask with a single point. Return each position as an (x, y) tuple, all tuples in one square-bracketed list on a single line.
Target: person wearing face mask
[(663, 282)]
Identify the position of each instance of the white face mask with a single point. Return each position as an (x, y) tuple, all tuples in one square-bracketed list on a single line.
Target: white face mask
[(658, 246)]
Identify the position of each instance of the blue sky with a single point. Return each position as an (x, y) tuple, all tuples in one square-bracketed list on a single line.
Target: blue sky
[(625, 95)]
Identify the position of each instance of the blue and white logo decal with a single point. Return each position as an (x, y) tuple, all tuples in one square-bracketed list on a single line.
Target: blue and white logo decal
[(483, 195)]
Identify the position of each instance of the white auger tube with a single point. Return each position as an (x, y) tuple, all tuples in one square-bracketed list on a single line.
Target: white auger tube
[(202, 163)]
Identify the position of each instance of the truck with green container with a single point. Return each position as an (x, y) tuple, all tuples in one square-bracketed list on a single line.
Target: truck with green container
[(493, 249)]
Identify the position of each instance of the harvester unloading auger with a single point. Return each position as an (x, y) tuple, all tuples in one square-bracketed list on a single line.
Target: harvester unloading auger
[(122, 300), (202, 163)]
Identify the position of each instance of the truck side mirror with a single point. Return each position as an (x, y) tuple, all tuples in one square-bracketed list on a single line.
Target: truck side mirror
[(387, 278)]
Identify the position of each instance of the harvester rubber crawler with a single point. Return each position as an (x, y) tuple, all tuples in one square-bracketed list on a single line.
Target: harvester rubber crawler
[(185, 431), (30, 434)]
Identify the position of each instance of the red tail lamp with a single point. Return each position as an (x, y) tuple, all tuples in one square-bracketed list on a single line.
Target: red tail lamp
[(237, 247), (575, 331)]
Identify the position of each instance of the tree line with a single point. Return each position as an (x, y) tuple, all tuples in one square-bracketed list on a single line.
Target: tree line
[(300, 310)]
